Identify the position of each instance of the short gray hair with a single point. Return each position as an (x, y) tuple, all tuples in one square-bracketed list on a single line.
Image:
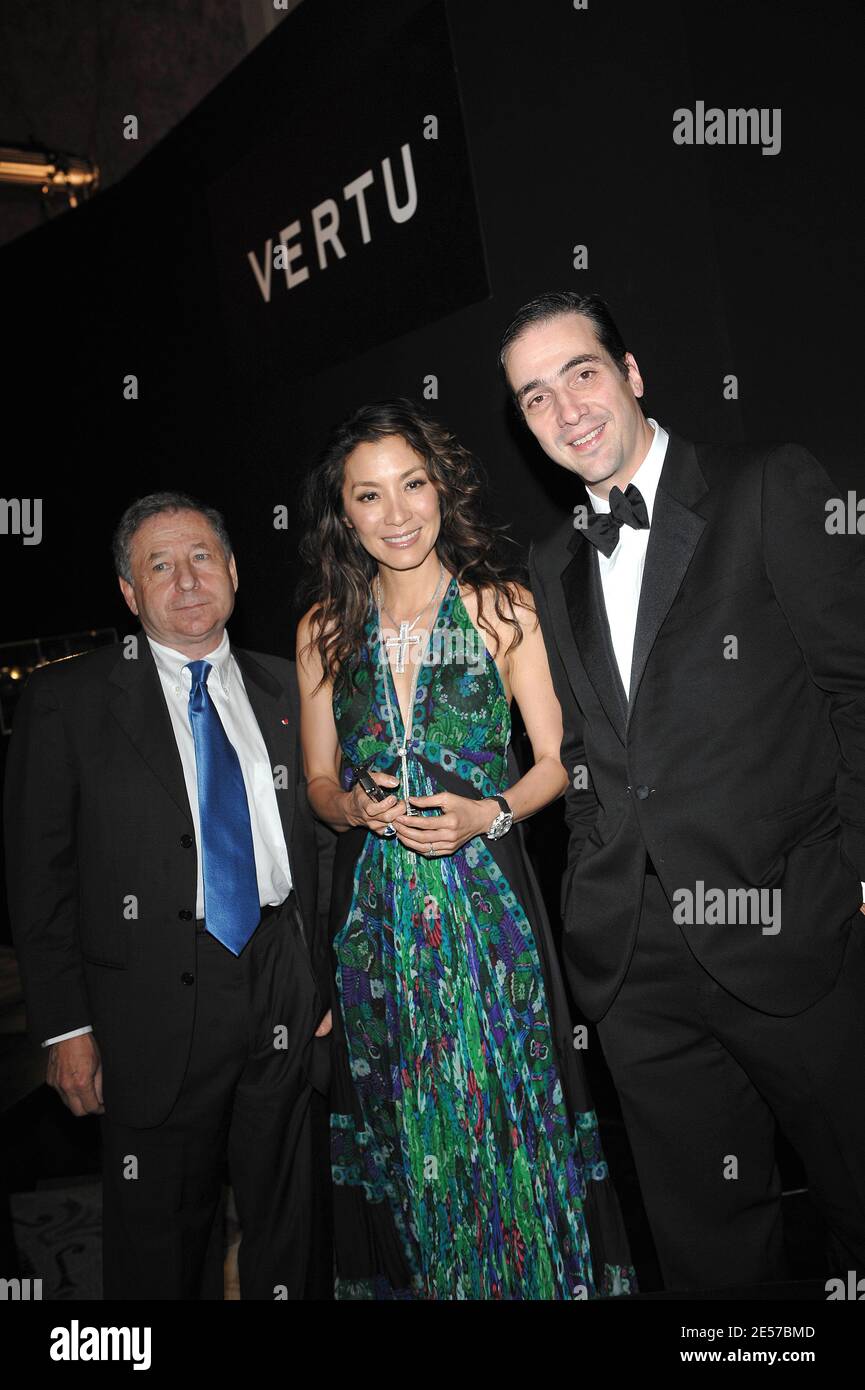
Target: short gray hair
[(153, 505)]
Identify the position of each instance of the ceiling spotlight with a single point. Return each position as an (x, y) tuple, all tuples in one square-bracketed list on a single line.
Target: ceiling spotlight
[(51, 173)]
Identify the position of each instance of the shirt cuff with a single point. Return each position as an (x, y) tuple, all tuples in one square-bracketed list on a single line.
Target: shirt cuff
[(61, 1037)]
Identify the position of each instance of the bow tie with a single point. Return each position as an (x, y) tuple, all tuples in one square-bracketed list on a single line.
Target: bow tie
[(627, 508)]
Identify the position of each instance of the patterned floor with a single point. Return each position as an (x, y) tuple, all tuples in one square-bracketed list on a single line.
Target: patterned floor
[(58, 1233)]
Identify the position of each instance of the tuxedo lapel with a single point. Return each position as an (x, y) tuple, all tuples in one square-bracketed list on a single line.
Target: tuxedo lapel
[(270, 705), (138, 705), (673, 538), (587, 615)]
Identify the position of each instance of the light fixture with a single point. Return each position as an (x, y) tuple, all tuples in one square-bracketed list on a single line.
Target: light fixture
[(51, 173)]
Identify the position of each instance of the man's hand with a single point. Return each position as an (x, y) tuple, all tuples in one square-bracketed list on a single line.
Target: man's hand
[(325, 1026), (75, 1073)]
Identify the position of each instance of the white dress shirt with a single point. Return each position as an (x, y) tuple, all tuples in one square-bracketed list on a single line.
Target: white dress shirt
[(622, 572), (228, 693)]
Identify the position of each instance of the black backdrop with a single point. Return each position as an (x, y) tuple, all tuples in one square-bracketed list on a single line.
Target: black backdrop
[(716, 260)]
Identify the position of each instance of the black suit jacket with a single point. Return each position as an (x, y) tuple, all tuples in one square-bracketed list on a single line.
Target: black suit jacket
[(743, 771), (101, 861)]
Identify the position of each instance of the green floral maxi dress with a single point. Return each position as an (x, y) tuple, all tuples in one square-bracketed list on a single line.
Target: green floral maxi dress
[(465, 1154)]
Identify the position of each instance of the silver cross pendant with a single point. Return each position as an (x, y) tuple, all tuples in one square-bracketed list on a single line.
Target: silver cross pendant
[(402, 642)]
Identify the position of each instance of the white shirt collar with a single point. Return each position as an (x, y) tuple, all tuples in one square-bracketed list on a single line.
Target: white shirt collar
[(175, 665), (647, 475)]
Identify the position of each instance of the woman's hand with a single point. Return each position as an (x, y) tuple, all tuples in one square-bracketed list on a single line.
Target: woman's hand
[(325, 1026), (360, 808), (463, 818)]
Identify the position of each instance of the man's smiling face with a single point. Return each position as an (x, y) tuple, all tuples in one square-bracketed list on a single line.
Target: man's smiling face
[(581, 408)]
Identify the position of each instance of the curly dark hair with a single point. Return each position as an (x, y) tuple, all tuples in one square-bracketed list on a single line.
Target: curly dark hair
[(339, 571)]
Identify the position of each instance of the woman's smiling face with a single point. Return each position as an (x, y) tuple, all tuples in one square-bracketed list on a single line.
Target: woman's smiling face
[(391, 503)]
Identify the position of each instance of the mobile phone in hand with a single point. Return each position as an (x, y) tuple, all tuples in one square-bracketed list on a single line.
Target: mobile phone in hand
[(375, 793)]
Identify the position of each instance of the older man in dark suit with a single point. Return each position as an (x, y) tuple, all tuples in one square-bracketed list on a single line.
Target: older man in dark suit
[(165, 901)]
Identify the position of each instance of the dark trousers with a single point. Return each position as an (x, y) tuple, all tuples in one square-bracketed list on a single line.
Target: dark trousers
[(703, 1079), (245, 1098)]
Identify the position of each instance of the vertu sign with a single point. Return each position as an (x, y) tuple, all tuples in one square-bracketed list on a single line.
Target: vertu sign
[(354, 219)]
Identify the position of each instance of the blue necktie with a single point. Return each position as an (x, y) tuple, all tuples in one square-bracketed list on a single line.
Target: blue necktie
[(231, 907)]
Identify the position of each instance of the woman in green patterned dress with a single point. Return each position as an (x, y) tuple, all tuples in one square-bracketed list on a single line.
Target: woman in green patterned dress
[(465, 1154)]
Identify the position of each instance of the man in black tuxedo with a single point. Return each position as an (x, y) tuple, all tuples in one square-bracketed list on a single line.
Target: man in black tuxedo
[(166, 906), (705, 637)]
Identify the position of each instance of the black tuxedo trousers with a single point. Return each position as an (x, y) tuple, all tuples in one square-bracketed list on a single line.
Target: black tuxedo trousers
[(704, 1080)]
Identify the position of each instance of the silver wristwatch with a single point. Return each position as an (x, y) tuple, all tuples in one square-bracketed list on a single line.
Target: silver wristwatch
[(503, 821)]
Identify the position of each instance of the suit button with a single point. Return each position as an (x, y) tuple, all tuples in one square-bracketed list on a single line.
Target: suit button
[(187, 841), (185, 914), (186, 978), (643, 792)]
